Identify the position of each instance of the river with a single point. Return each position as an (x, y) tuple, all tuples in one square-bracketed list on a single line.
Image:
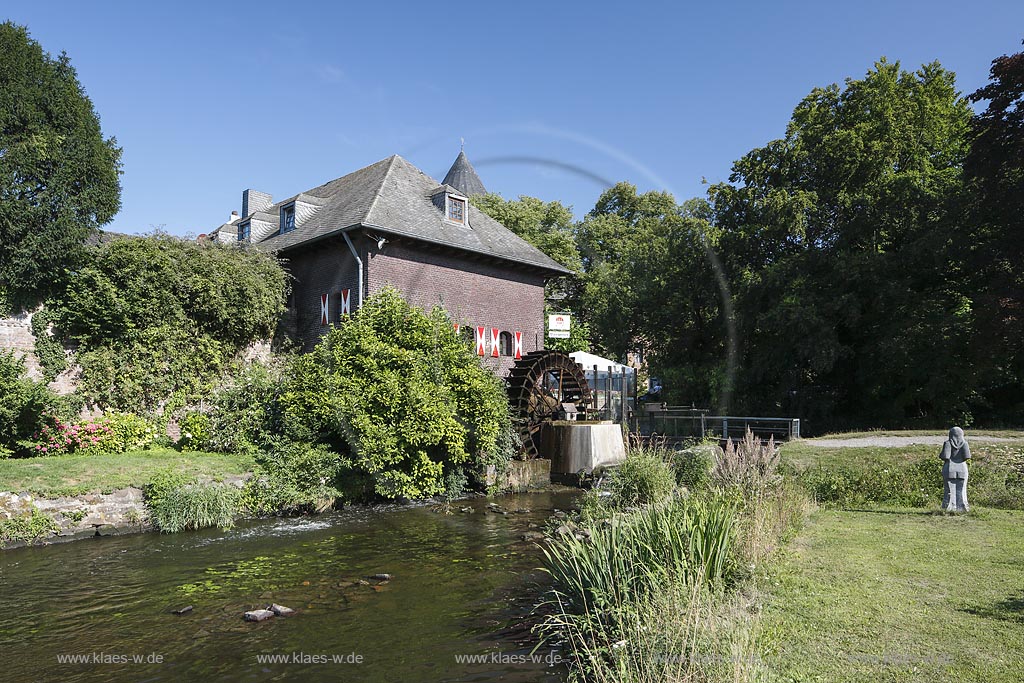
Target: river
[(462, 585)]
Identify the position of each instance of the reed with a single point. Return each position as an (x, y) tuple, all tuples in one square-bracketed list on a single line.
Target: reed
[(197, 506), (630, 557)]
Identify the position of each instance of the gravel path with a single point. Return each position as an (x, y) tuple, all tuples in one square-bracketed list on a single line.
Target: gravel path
[(895, 441)]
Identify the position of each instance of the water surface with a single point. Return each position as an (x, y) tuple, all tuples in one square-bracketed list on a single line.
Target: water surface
[(462, 586)]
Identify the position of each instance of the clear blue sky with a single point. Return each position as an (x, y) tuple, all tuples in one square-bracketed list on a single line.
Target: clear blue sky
[(210, 98)]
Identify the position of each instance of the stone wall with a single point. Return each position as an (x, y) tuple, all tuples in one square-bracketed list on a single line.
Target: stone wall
[(92, 514), (16, 335)]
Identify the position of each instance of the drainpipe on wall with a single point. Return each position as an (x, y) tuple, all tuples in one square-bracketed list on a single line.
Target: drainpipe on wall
[(359, 265)]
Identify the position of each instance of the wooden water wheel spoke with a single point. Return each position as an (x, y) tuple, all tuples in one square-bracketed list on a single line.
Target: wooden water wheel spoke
[(538, 385)]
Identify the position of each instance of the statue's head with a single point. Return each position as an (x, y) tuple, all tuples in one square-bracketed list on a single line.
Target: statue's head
[(956, 434)]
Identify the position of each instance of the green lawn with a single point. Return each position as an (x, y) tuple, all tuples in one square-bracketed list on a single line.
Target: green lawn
[(899, 595), (70, 475)]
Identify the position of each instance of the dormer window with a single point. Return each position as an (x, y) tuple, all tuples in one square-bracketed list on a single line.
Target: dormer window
[(456, 209), (287, 218), (244, 232)]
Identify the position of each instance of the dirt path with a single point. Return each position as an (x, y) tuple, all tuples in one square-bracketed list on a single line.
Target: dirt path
[(896, 441)]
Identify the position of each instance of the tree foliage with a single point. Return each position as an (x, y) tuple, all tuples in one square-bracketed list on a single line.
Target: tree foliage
[(995, 171), (546, 225), (156, 319), (58, 175), (400, 394), (840, 243), (850, 273)]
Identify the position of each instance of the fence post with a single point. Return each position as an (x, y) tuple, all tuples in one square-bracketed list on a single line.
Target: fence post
[(725, 428)]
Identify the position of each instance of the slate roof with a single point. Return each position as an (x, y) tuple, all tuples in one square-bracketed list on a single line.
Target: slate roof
[(462, 176), (392, 196)]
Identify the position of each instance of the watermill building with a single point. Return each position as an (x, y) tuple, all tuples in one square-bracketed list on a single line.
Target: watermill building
[(391, 224)]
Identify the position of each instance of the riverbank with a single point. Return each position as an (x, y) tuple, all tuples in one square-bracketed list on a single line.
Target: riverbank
[(56, 499)]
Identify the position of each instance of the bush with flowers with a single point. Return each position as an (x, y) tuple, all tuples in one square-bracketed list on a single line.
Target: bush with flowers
[(113, 433)]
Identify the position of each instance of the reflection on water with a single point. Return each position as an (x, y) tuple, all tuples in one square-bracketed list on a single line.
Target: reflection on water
[(461, 585)]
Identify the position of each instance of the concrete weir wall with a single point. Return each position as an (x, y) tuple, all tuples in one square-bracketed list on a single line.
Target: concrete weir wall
[(577, 447)]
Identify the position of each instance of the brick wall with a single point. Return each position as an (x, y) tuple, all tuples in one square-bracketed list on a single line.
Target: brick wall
[(474, 293), (327, 267)]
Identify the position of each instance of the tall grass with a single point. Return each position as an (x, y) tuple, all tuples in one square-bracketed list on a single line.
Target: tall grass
[(685, 633), (197, 506), (631, 557), (661, 592)]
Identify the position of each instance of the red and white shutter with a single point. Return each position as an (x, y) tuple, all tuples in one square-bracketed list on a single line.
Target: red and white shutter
[(495, 342), (346, 305), (481, 341), (323, 309), (518, 348)]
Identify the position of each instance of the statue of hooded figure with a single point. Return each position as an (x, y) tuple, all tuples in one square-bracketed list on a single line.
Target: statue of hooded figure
[(955, 454)]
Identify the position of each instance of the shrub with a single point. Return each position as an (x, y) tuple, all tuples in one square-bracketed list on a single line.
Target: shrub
[(154, 371), (135, 284), (60, 438), (296, 477), (643, 478), (246, 412), (400, 393), (197, 506), (27, 528), (157, 319), (128, 432), (114, 433), (161, 485), (195, 431), (693, 466), (24, 405), (750, 464)]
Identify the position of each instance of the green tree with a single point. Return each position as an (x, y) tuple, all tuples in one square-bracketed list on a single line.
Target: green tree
[(650, 287), (995, 169), (546, 225), (841, 245), (59, 177)]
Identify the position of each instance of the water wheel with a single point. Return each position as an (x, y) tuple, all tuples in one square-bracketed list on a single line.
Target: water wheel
[(538, 385)]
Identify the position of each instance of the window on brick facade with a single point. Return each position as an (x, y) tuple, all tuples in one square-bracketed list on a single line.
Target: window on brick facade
[(244, 231), (287, 218), (456, 209), (505, 343)]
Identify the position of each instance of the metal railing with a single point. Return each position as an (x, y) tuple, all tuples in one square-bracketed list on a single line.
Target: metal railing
[(683, 423)]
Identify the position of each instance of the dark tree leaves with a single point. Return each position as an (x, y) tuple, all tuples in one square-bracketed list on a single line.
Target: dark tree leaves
[(58, 175)]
